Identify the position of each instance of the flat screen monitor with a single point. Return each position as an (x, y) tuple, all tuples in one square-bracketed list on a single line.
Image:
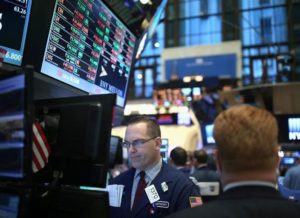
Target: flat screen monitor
[(207, 134), (184, 118), (115, 151), (164, 149), (172, 97), (71, 203), (180, 118), (14, 17), (78, 130), (289, 128), (288, 161), (83, 44), (15, 125), (150, 30), (14, 202)]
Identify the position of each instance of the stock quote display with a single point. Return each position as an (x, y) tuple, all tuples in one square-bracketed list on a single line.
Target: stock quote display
[(14, 16), (89, 47)]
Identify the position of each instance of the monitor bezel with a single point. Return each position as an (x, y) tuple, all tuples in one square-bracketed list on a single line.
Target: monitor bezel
[(283, 132), (107, 102), (7, 73), (23, 40), (38, 42), (118, 155)]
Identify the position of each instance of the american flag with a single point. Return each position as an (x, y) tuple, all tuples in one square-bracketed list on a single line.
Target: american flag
[(40, 148), (195, 201)]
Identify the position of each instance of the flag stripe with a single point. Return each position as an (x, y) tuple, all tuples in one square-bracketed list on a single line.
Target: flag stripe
[(34, 167), (41, 140), (40, 148), (38, 159), (42, 135)]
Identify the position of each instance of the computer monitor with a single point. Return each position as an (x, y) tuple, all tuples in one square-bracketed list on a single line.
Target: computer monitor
[(150, 30), (164, 149), (78, 130), (16, 109), (289, 128), (184, 118), (68, 202), (207, 133), (115, 151), (82, 44), (288, 161), (14, 202), (14, 17)]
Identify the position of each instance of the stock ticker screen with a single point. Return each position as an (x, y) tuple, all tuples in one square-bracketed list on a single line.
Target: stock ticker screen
[(88, 47), (14, 17)]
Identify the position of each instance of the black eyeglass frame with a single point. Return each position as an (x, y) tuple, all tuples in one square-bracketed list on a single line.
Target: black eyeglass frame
[(136, 143)]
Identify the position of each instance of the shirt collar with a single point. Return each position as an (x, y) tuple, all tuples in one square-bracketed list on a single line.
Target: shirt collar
[(151, 173), (247, 183)]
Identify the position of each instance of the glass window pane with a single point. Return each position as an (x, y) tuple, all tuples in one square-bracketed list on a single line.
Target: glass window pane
[(149, 77), (138, 75)]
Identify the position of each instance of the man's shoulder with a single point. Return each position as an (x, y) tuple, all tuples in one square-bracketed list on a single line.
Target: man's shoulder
[(206, 175), (243, 208), (169, 172), (295, 169)]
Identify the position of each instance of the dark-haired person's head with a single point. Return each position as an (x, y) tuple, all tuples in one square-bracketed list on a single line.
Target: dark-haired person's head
[(247, 148), (143, 140), (178, 156), (201, 156)]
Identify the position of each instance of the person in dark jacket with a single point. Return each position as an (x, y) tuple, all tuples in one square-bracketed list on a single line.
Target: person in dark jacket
[(202, 172), (178, 158), (247, 160), (167, 190)]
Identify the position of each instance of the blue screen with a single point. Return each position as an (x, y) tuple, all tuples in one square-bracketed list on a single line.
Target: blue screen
[(208, 138), (294, 128), (14, 17), (9, 205), (12, 127)]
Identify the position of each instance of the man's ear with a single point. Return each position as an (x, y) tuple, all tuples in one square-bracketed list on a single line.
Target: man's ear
[(218, 161), (278, 157), (157, 143)]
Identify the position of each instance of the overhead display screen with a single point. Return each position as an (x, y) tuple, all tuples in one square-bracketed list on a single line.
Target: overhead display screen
[(88, 47), (14, 17)]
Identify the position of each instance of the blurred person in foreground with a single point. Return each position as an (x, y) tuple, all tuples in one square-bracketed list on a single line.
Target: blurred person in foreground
[(152, 188), (247, 159)]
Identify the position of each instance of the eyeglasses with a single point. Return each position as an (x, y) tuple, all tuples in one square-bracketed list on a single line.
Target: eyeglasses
[(136, 143)]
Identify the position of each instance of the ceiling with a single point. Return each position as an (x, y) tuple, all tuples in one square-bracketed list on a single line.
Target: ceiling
[(134, 14)]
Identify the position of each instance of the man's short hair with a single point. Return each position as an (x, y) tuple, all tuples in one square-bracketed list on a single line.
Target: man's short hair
[(153, 129), (246, 138), (179, 156), (201, 156)]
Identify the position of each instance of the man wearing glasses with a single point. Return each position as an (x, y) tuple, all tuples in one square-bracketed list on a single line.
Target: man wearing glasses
[(152, 188)]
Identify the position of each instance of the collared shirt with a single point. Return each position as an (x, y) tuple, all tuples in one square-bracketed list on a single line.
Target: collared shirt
[(150, 174), (247, 183)]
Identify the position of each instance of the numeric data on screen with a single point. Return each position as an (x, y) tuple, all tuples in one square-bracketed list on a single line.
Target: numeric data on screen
[(89, 42)]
